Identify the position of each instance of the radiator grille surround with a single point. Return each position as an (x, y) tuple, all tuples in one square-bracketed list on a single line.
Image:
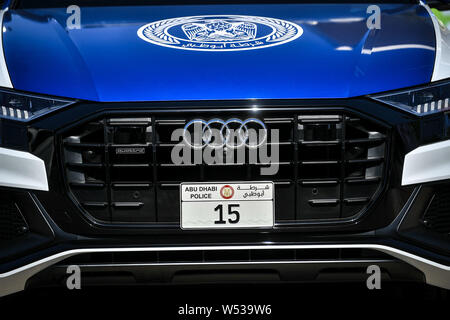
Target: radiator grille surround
[(119, 170)]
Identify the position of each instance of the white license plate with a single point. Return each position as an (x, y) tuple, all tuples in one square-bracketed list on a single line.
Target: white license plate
[(227, 205)]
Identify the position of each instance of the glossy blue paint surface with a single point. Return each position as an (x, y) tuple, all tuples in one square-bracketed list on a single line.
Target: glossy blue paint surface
[(336, 57)]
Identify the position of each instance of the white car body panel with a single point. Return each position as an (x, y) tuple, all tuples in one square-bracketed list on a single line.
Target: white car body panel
[(23, 170)]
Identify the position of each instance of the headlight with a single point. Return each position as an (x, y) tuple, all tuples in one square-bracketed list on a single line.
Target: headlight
[(24, 107), (420, 101)]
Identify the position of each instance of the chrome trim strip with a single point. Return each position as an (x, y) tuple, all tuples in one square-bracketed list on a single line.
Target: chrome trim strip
[(229, 263), (15, 280)]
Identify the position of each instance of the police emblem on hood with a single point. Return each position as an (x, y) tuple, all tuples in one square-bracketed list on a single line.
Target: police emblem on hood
[(220, 33)]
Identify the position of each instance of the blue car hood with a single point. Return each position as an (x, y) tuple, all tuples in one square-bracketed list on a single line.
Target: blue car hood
[(336, 55)]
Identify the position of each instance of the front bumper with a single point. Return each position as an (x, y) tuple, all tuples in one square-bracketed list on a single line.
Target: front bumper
[(59, 229), (435, 274)]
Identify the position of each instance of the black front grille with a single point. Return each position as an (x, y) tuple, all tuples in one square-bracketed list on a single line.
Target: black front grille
[(12, 223), (437, 216), (119, 169)]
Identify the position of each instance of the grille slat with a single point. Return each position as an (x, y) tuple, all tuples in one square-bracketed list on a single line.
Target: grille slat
[(128, 204), (83, 145), (369, 140), (81, 166), (356, 200), (319, 182), (330, 166), (130, 165), (86, 185), (324, 202), (363, 180), (365, 161), (95, 204), (131, 185), (320, 143)]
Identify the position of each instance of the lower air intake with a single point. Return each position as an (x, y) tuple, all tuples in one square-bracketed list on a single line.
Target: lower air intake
[(437, 217), (12, 223)]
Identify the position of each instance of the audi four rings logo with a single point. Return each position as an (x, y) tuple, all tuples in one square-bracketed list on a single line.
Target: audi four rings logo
[(232, 133)]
